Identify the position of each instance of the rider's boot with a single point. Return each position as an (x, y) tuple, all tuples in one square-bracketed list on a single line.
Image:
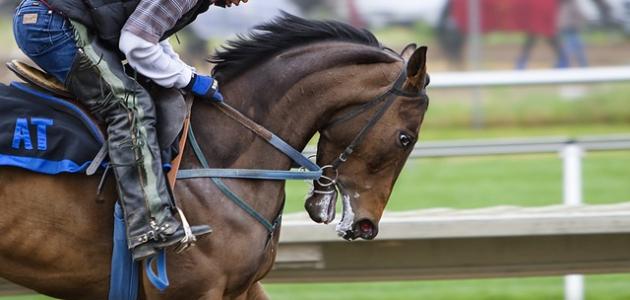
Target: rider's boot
[(97, 78)]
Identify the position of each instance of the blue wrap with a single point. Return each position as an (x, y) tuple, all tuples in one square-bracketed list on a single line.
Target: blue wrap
[(123, 282)]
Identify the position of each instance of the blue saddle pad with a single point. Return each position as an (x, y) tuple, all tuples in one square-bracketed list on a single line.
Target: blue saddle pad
[(45, 134)]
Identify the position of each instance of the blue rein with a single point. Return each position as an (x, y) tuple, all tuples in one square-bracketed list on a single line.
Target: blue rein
[(313, 172)]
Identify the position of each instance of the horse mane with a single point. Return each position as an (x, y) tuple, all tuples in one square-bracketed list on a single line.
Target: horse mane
[(278, 35)]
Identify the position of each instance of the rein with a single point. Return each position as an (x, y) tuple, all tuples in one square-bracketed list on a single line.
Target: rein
[(313, 171)]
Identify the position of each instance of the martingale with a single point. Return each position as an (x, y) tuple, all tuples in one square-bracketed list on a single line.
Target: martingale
[(44, 134)]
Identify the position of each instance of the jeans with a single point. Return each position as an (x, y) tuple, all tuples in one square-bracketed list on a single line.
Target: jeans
[(573, 46), (46, 37)]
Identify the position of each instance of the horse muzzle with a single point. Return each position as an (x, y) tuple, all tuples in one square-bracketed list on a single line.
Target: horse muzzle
[(364, 229)]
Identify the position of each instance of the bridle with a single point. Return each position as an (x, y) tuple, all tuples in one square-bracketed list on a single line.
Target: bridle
[(386, 99)]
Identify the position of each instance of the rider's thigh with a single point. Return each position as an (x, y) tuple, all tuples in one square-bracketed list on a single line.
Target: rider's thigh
[(30, 26), (45, 36)]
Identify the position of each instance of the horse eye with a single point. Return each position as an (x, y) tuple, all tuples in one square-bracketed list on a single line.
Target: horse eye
[(405, 140)]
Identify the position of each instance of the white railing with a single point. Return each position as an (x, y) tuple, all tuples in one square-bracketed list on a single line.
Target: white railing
[(455, 148), (529, 77)]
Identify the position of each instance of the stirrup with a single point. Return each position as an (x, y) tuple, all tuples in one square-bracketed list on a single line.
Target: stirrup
[(178, 239), (189, 238)]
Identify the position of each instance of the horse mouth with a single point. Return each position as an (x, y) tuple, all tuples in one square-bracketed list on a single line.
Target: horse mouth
[(364, 229)]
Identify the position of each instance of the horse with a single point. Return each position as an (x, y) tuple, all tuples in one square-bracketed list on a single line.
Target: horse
[(295, 77)]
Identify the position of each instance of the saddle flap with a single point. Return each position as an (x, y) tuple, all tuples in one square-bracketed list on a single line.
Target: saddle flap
[(38, 78)]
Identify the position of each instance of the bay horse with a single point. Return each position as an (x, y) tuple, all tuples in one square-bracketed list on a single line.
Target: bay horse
[(295, 77)]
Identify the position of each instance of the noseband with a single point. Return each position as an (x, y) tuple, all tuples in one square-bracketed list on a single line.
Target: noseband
[(386, 99)]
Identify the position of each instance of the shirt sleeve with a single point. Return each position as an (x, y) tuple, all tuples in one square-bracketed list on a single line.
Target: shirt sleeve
[(156, 61), (153, 18)]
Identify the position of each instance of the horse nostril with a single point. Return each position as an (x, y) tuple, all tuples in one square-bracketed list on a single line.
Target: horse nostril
[(366, 229)]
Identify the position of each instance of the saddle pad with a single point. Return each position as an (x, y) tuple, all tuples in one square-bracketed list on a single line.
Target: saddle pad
[(44, 134)]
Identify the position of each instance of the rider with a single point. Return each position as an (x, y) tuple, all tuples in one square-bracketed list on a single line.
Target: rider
[(82, 43)]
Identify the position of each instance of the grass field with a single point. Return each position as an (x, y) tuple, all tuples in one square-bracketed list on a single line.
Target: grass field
[(599, 287)]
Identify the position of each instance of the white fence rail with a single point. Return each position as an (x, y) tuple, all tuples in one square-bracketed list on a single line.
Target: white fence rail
[(448, 244), (513, 146), (530, 77)]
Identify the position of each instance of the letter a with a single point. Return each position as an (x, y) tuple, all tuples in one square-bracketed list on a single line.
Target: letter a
[(22, 134)]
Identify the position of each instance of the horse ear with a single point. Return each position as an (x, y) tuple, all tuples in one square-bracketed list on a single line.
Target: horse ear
[(417, 68), (408, 51)]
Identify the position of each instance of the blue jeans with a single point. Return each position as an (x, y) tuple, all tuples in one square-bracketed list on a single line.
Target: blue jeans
[(46, 37)]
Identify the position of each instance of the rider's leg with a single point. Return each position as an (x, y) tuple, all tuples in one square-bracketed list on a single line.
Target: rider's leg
[(97, 75), (98, 80)]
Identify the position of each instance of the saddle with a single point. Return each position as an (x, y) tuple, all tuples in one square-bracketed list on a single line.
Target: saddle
[(172, 110), (39, 79)]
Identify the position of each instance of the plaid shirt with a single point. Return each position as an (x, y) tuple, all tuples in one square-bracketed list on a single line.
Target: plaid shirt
[(153, 18)]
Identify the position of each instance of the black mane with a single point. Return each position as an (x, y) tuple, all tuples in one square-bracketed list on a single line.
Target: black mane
[(282, 33)]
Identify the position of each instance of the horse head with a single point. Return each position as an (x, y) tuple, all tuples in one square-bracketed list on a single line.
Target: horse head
[(364, 147)]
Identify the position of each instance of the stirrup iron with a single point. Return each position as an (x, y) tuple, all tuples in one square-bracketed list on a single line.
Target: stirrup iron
[(189, 238)]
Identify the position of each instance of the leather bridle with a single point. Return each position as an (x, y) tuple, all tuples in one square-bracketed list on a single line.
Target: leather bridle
[(386, 99)]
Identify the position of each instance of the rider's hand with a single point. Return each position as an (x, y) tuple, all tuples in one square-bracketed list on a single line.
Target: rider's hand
[(205, 87)]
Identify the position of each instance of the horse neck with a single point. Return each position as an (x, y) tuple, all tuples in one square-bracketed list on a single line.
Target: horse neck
[(308, 88)]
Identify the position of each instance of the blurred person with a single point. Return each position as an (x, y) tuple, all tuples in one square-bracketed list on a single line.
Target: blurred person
[(605, 13), (570, 24), (450, 37), (554, 43), (82, 43), (535, 18)]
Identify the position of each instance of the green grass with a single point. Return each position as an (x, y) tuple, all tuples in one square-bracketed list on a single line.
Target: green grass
[(599, 287), (529, 180), (6, 29), (27, 297), (533, 106)]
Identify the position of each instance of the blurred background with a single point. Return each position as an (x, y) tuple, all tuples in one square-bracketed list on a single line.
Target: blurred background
[(466, 36)]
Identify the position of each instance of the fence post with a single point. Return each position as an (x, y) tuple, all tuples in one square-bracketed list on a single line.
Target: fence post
[(474, 59), (572, 196)]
